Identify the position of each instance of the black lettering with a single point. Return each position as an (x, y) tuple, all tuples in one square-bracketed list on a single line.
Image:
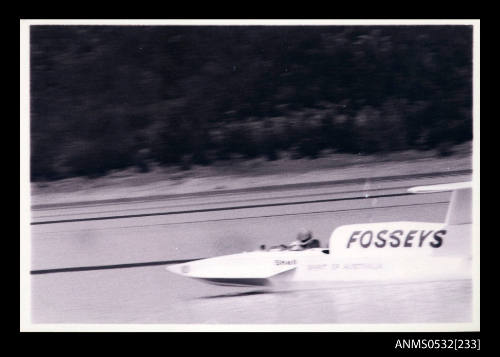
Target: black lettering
[(380, 238), (366, 245), (396, 238), (438, 239), (285, 262), (423, 236), (409, 238), (352, 239)]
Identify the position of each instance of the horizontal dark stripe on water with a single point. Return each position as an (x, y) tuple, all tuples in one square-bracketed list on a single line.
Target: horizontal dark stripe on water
[(113, 266), (219, 209)]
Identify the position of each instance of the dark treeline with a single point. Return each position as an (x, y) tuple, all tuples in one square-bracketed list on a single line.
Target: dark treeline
[(110, 97)]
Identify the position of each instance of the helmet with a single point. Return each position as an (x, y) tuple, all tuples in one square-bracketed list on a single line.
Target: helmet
[(304, 235)]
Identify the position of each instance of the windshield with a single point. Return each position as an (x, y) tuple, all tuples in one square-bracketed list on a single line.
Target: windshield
[(282, 247)]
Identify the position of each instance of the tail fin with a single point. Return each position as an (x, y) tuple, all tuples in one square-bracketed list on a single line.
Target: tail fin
[(460, 207)]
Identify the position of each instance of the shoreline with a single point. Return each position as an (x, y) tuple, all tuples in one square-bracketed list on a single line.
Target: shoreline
[(257, 174)]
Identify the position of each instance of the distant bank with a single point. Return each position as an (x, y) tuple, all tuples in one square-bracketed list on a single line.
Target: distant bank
[(258, 175)]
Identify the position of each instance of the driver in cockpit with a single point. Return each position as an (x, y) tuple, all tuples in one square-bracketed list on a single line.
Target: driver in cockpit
[(304, 241)]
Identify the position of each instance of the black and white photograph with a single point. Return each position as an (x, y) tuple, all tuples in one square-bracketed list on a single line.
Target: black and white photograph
[(249, 175)]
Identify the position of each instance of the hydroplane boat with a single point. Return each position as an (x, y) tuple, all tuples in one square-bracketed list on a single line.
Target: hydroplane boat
[(366, 252)]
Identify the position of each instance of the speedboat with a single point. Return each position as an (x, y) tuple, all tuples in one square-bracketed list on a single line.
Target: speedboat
[(375, 252)]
